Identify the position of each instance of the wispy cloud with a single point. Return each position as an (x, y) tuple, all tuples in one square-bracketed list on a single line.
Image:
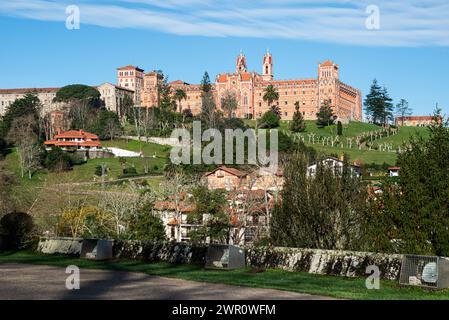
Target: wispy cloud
[(402, 23)]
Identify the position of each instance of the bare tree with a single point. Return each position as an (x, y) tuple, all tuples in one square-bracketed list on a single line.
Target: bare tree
[(22, 134), (122, 206)]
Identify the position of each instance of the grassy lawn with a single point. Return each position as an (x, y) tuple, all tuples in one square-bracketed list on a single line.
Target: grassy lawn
[(404, 135), (157, 158), (365, 156), (348, 288)]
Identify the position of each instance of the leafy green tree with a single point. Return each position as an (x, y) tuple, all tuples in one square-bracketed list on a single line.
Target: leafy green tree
[(148, 226), (229, 103), (17, 228), (323, 211), (325, 116), (339, 128), (270, 95), (417, 205), (83, 102), (180, 95), (29, 105), (57, 160), (210, 213), (107, 125), (403, 109), (77, 92), (378, 104), (269, 120), (297, 124)]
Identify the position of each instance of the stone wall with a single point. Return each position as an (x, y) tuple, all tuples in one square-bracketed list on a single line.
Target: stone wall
[(331, 262), (143, 250), (171, 252), (69, 246)]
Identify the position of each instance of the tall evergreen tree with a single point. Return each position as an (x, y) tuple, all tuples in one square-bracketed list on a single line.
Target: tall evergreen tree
[(418, 203), (208, 106), (325, 116), (206, 86), (297, 124), (378, 104)]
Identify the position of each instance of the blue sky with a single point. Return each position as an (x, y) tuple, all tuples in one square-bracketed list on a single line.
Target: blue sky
[(408, 54)]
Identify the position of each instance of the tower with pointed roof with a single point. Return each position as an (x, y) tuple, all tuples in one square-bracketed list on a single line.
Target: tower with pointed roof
[(241, 63), (267, 67)]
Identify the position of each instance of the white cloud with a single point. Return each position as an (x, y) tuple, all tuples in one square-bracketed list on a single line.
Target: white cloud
[(402, 23)]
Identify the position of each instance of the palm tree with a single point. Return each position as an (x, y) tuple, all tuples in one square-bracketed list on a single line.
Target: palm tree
[(270, 95), (179, 96), (229, 103)]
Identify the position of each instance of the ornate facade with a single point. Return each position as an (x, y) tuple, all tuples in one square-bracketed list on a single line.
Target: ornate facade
[(249, 89)]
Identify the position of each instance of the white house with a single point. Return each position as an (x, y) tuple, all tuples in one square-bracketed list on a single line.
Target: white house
[(335, 164)]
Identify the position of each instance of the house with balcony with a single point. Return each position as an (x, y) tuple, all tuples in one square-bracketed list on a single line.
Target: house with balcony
[(76, 141)]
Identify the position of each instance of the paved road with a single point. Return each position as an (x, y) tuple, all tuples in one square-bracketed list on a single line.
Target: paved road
[(36, 282)]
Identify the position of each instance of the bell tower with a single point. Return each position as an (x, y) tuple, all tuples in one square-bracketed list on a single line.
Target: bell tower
[(241, 63), (267, 67)]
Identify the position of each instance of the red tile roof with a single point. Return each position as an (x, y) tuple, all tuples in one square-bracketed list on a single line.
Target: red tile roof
[(222, 78), (171, 206), (130, 67), (429, 118), (80, 134), (29, 90), (394, 168), (327, 63), (232, 171)]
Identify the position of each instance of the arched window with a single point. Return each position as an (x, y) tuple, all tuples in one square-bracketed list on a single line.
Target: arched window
[(266, 69)]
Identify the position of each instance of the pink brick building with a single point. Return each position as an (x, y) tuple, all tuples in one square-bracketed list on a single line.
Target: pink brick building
[(249, 89)]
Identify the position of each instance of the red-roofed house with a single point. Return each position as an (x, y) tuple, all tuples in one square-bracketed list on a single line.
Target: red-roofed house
[(75, 140)]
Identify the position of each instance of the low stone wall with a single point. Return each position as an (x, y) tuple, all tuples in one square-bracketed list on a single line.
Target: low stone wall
[(160, 251), (69, 246), (331, 262)]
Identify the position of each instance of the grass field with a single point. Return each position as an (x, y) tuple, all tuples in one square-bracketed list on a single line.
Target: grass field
[(157, 158), (340, 287), (404, 135), (352, 129)]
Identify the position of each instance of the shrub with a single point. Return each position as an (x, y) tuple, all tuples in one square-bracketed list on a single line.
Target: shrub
[(17, 229), (57, 160), (130, 171), (269, 120), (339, 128)]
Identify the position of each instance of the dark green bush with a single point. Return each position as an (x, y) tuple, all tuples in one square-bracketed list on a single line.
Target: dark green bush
[(17, 230)]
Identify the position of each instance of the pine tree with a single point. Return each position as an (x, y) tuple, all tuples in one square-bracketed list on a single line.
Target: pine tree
[(205, 83), (298, 124), (325, 115), (378, 104)]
